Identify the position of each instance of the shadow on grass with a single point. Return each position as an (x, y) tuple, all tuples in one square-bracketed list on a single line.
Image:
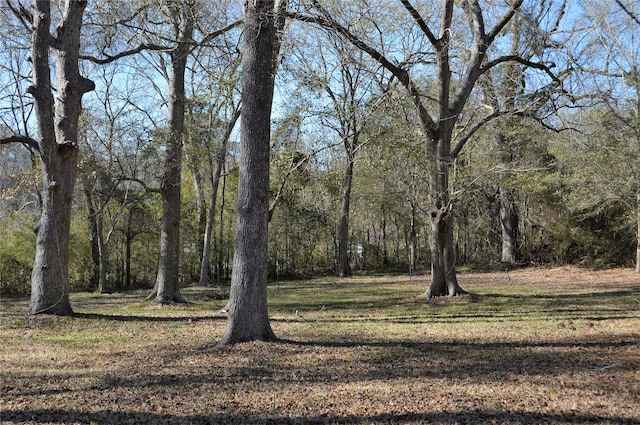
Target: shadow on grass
[(364, 361), (138, 318), (484, 346), (447, 417)]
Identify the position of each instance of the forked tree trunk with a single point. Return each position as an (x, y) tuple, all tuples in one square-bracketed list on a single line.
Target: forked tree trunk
[(248, 313), (205, 269), (443, 262), (58, 132)]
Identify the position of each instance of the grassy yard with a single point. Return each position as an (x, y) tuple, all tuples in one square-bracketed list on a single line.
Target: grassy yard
[(544, 346)]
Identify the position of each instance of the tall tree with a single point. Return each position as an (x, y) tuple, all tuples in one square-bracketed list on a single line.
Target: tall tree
[(466, 51), (216, 166), (57, 123), (248, 313), (212, 116), (617, 32), (182, 18), (167, 287), (347, 104), (337, 69)]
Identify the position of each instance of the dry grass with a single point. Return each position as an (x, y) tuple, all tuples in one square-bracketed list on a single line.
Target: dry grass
[(545, 346)]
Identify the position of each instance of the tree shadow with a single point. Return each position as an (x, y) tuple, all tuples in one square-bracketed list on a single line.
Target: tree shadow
[(443, 418), (142, 318)]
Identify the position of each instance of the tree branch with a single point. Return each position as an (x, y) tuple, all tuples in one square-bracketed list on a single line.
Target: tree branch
[(25, 140), (326, 21), (420, 22), (522, 61), (454, 153), (24, 16), (219, 32), (503, 22), (108, 59), (140, 182), (628, 12)]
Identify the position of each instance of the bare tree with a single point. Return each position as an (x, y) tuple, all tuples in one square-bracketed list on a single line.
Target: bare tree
[(181, 17), (469, 56), (617, 84), (57, 123), (167, 287)]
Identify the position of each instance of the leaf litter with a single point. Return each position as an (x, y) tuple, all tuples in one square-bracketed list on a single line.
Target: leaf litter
[(524, 351)]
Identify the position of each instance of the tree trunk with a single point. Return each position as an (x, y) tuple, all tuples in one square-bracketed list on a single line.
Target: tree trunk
[(443, 264), (220, 253), (167, 287), (201, 210), (248, 313), (58, 131), (508, 228), (205, 269), (638, 232), (92, 226), (343, 243), (127, 251), (413, 239), (208, 231), (102, 250)]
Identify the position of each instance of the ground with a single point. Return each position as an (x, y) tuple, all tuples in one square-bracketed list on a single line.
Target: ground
[(529, 346)]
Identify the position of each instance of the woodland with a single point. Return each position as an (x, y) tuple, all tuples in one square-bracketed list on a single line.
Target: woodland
[(336, 212), (161, 144)]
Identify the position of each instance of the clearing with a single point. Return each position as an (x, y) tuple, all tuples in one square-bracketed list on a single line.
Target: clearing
[(536, 346)]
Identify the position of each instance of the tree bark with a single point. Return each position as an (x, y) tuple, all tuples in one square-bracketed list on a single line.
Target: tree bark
[(343, 243), (508, 228), (443, 261), (638, 232), (205, 269), (57, 124), (167, 287), (248, 313)]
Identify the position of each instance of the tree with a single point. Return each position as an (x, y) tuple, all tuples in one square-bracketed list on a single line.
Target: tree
[(443, 54), (57, 123), (212, 118), (337, 70), (216, 166), (248, 313), (167, 287), (347, 104), (617, 34)]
